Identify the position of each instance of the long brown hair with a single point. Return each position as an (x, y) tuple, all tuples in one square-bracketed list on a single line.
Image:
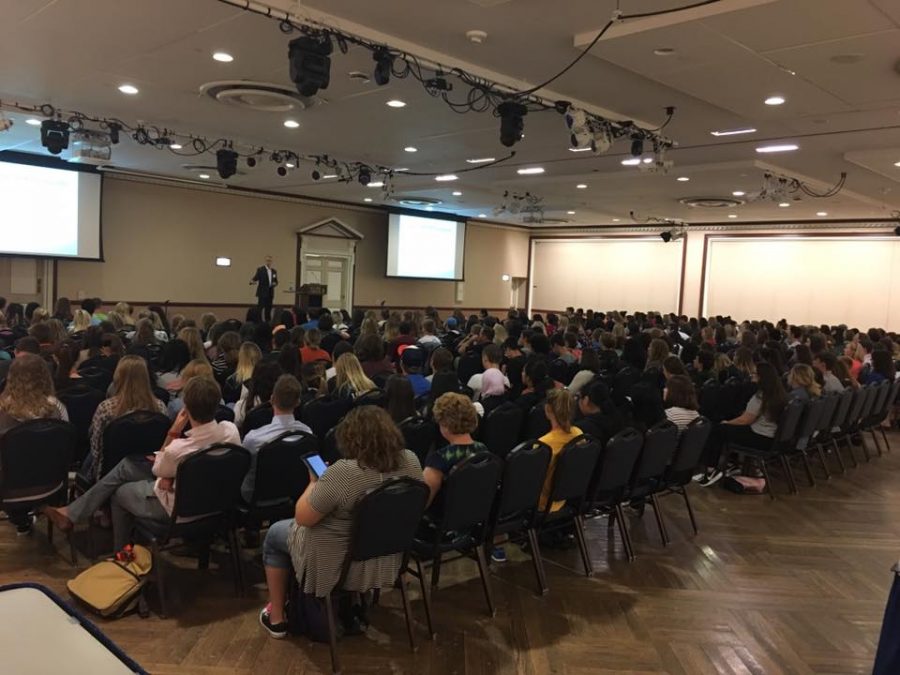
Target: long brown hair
[(29, 389), (131, 382), (194, 341), (369, 435)]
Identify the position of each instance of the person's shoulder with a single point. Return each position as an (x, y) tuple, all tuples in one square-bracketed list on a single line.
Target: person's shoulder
[(229, 430)]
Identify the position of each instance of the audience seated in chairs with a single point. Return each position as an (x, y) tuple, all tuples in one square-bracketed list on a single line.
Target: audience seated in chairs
[(491, 358), (802, 383), (537, 382), (560, 411), (285, 399), (456, 418), (349, 380), (248, 356), (600, 417), (369, 349), (680, 400), (131, 383), (493, 391), (825, 363), (314, 542), (258, 391), (144, 487), (312, 351), (412, 363), (195, 368), (400, 399)]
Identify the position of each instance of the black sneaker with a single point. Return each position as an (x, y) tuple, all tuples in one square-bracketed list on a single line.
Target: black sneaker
[(711, 478), (275, 630)]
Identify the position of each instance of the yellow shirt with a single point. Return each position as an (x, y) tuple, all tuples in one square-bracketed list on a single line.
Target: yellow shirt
[(556, 439)]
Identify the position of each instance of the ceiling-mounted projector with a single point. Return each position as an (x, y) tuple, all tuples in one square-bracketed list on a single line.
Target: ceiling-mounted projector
[(90, 147)]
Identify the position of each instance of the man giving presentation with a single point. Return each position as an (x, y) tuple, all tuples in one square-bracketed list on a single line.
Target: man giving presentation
[(266, 279)]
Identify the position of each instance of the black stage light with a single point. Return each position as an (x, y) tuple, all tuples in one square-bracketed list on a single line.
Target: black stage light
[(897, 230), (251, 162), (226, 162), (365, 176), (316, 175), (637, 145), (665, 236), (384, 62), (54, 136), (310, 64), (512, 127), (114, 130), (281, 171)]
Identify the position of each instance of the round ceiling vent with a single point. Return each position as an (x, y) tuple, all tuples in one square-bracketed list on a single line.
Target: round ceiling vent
[(258, 96), (711, 202), (417, 201)]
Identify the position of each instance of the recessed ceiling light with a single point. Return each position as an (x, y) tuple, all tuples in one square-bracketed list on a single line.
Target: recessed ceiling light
[(579, 149), (582, 186), (775, 100), (738, 193), (401, 169), (822, 214), (732, 215), (291, 124), (290, 165), (33, 121), (647, 160), (784, 205), (895, 163), (396, 103), (481, 160), (204, 176), (615, 220), (787, 147), (429, 208), (664, 51), (682, 179), (367, 199), (457, 193), (223, 57), (482, 215), (631, 161), (530, 171), (223, 262), (376, 184), (446, 178), (329, 175), (571, 213), (410, 148), (733, 132), (176, 146), (129, 89)]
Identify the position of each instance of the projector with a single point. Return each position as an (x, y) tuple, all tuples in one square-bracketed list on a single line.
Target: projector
[(90, 147), (657, 166)]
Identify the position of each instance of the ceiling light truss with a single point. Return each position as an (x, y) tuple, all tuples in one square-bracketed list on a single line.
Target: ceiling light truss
[(779, 187)]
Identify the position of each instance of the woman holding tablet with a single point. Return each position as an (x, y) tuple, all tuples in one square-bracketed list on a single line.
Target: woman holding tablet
[(315, 541)]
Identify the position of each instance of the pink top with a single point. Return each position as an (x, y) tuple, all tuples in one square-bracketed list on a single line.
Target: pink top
[(166, 463)]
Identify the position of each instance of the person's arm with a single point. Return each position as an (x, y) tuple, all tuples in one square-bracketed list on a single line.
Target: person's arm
[(321, 497), (305, 514), (165, 464), (255, 278), (434, 479), (745, 419)]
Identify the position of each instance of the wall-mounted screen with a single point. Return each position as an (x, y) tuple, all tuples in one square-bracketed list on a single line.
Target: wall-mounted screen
[(49, 212), (425, 248)]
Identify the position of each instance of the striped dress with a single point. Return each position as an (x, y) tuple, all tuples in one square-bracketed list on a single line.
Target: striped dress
[(318, 552)]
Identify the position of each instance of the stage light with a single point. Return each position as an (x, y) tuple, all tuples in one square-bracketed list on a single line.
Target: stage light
[(577, 123), (226, 162), (603, 139), (512, 126), (315, 174), (251, 162), (665, 236), (114, 130), (365, 176), (637, 145), (281, 171), (54, 136), (310, 63), (897, 230), (383, 64)]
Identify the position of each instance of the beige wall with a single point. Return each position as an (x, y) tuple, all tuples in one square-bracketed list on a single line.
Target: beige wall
[(160, 242)]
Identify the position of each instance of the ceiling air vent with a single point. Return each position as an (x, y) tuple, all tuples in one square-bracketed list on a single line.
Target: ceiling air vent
[(417, 201), (711, 202), (258, 96)]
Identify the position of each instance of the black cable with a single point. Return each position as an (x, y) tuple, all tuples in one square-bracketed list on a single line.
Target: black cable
[(661, 12)]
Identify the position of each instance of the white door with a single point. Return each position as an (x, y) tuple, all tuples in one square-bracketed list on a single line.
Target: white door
[(333, 272)]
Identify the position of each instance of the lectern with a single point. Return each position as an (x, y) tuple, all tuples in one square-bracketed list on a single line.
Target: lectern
[(310, 295)]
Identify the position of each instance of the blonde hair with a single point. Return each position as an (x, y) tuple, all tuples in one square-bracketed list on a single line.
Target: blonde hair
[(191, 337), (249, 355), (124, 309), (560, 408), (802, 375), (207, 321), (196, 368), (500, 334), (29, 389), (116, 320), (349, 372), (38, 315), (131, 382), (81, 320)]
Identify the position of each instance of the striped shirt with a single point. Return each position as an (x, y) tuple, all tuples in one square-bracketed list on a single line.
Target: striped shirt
[(681, 417)]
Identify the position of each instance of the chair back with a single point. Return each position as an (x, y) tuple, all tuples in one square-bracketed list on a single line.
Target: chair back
[(830, 403), (386, 518), (501, 428), (789, 422), (257, 418), (138, 433), (872, 393), (469, 365), (81, 402), (324, 413), (615, 466), (690, 450), (96, 377), (419, 434), (523, 477), (660, 444), (811, 415), (559, 371), (574, 467), (330, 451), (536, 423), (280, 471), (224, 414), (34, 459), (469, 492), (859, 400), (842, 409), (208, 482), (884, 391), (710, 399), (375, 397)]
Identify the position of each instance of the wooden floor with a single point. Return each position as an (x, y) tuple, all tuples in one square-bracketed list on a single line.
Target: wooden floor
[(797, 585)]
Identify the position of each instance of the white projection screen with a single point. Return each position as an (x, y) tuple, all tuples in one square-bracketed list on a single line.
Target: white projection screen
[(806, 280), (634, 273), (50, 212), (420, 247)]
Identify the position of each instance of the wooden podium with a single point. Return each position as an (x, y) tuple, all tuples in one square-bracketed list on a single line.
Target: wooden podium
[(311, 295)]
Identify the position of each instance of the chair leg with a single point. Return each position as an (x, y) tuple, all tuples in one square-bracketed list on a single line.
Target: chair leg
[(809, 473), (821, 453), (875, 441), (765, 472), (156, 560), (840, 458), (203, 559), (49, 531), (850, 450), (72, 553), (690, 510), (538, 563), (237, 568), (485, 581), (406, 610), (887, 446), (332, 635), (789, 474), (660, 522), (582, 546), (623, 532), (426, 602), (436, 570), (865, 449)]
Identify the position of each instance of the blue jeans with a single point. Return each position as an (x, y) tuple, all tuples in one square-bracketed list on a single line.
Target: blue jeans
[(276, 552)]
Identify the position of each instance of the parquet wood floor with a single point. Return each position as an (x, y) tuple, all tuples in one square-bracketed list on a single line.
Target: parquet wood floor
[(796, 586)]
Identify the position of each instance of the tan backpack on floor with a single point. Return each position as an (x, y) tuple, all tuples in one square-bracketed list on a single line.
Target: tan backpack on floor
[(112, 588)]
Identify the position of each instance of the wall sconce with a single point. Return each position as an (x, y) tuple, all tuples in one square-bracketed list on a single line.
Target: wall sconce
[(505, 277), (223, 262)]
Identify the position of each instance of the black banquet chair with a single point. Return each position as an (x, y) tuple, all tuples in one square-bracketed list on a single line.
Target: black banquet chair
[(322, 414), (660, 444), (34, 468), (81, 403), (256, 418), (536, 423), (375, 397), (501, 428), (419, 434), (684, 465), (209, 490), (401, 502)]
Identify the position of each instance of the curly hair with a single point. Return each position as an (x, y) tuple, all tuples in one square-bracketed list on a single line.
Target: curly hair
[(29, 389), (456, 413), (369, 435)]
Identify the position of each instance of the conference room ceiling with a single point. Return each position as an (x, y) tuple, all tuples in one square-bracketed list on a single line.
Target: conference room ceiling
[(836, 62)]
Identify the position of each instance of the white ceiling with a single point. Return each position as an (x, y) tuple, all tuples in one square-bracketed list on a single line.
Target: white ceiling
[(844, 116)]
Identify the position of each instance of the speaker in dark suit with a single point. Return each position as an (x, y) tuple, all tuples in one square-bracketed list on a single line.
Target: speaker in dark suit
[(266, 279)]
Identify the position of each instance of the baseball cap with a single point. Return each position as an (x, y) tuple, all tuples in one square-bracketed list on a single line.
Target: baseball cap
[(412, 357)]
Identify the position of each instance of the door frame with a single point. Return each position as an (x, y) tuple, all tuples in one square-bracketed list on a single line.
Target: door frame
[(329, 238), (349, 269)]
